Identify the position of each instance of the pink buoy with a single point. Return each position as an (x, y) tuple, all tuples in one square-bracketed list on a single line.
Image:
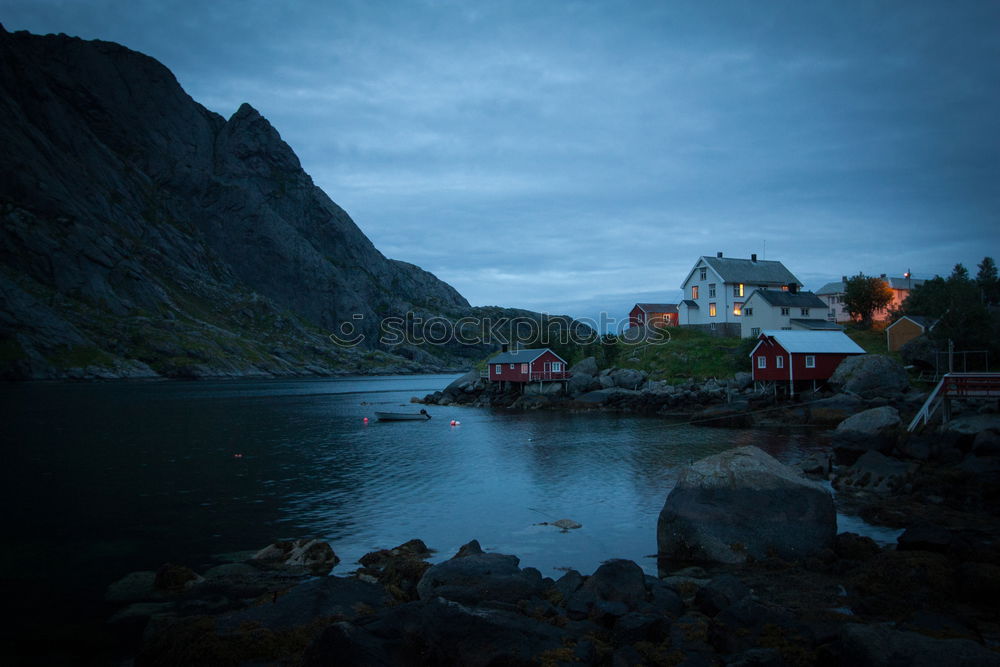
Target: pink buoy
[(453, 422), (365, 420)]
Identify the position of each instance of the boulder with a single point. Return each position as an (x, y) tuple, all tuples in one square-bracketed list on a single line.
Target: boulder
[(742, 380), (586, 366), (743, 503), (835, 409), (471, 578), (628, 378), (730, 415), (618, 580), (876, 472), (882, 646), (304, 554), (461, 384), (871, 422), (871, 375), (873, 429)]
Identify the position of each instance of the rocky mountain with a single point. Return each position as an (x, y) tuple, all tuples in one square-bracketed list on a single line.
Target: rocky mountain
[(143, 234)]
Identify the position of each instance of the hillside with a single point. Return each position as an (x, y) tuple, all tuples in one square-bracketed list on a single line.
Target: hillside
[(143, 235)]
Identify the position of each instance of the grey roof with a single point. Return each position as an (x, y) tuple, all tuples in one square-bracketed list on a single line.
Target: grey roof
[(788, 299), (520, 356), (833, 288), (658, 307), (925, 322), (816, 325), (749, 272), (690, 303), (903, 283), (818, 342)]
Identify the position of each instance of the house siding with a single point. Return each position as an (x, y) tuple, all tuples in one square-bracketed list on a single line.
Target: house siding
[(901, 332), (520, 374)]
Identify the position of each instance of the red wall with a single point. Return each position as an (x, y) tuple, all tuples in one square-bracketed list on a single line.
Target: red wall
[(634, 317), (637, 317), (826, 364), (508, 374)]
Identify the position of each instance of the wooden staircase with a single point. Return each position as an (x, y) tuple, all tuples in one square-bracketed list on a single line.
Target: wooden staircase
[(964, 386)]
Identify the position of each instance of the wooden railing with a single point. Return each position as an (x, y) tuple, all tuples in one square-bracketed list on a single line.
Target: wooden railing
[(539, 376), (960, 386)]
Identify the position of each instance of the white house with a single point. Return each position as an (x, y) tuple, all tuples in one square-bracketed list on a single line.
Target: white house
[(717, 288), (833, 295), (778, 310)]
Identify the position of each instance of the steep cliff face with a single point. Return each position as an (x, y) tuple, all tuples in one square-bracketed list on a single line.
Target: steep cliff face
[(144, 234)]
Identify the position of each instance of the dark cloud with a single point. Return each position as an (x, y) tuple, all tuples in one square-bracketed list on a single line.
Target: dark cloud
[(577, 156)]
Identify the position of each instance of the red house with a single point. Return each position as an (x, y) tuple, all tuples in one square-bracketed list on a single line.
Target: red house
[(791, 357), (523, 366), (653, 314)]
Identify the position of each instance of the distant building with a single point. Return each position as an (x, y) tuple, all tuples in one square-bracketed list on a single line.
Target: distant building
[(784, 310), (717, 288), (524, 366), (833, 295), (793, 359), (653, 314), (905, 329)]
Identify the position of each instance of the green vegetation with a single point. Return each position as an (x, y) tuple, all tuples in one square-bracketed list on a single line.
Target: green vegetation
[(688, 354), (864, 295), (79, 356)]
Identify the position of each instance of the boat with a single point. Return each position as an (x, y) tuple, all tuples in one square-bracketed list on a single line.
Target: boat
[(402, 416)]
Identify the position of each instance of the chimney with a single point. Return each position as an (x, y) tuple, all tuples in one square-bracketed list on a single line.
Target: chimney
[(718, 254), (882, 276), (753, 257), (504, 347)]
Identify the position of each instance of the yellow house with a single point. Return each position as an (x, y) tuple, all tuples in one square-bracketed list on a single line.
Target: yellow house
[(905, 329)]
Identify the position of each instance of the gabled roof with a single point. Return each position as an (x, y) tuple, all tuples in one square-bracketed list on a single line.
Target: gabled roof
[(690, 303), (924, 323), (657, 307), (788, 299), (521, 356), (837, 287), (903, 282), (747, 271), (816, 325), (814, 342)]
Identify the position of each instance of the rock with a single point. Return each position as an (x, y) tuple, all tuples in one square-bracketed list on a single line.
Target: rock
[(628, 378), (876, 472), (618, 580), (870, 375), (817, 464), (742, 380), (174, 578), (133, 587), (835, 409), (309, 555), (565, 525), (465, 381), (579, 383), (986, 443), (474, 578), (851, 546), (743, 503), (732, 415), (881, 646), (871, 422), (925, 537), (719, 594), (874, 429), (587, 366)]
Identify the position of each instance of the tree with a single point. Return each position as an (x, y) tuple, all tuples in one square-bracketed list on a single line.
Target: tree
[(986, 280), (864, 295), (959, 272), (957, 306)]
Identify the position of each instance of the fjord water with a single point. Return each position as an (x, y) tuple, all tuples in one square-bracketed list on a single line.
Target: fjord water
[(103, 479)]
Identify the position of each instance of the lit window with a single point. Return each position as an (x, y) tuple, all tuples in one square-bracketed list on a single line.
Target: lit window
[(711, 310), (784, 310), (784, 288), (702, 273), (738, 289), (694, 291), (804, 311), (711, 290), (738, 308), (810, 361), (761, 362), (779, 362)]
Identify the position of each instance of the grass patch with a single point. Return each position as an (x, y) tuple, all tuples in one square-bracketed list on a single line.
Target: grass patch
[(689, 354)]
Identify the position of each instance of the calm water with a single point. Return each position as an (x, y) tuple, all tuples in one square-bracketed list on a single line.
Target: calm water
[(103, 479)]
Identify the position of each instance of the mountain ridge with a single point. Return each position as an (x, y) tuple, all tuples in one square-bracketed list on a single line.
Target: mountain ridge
[(145, 235)]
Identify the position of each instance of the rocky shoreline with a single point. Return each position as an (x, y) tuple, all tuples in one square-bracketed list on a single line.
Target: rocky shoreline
[(788, 590)]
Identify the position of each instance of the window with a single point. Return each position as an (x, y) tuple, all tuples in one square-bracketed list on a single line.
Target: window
[(711, 290), (512, 367), (524, 369), (784, 288), (694, 291), (738, 308), (784, 310), (786, 328), (748, 311), (810, 361), (702, 273), (498, 369), (761, 362), (779, 362), (832, 313), (755, 332), (738, 289), (556, 366), (711, 310), (804, 311)]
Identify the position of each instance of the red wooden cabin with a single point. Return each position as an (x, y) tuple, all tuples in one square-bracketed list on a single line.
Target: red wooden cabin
[(523, 366), (791, 357), (653, 314)]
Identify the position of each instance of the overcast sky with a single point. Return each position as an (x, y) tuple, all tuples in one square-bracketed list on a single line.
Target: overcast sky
[(574, 157)]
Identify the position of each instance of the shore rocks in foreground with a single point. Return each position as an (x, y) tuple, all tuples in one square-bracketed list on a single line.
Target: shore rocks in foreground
[(743, 504)]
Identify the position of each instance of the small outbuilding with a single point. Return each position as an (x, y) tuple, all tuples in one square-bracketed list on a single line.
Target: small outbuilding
[(905, 329), (524, 366), (799, 358), (653, 315)]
